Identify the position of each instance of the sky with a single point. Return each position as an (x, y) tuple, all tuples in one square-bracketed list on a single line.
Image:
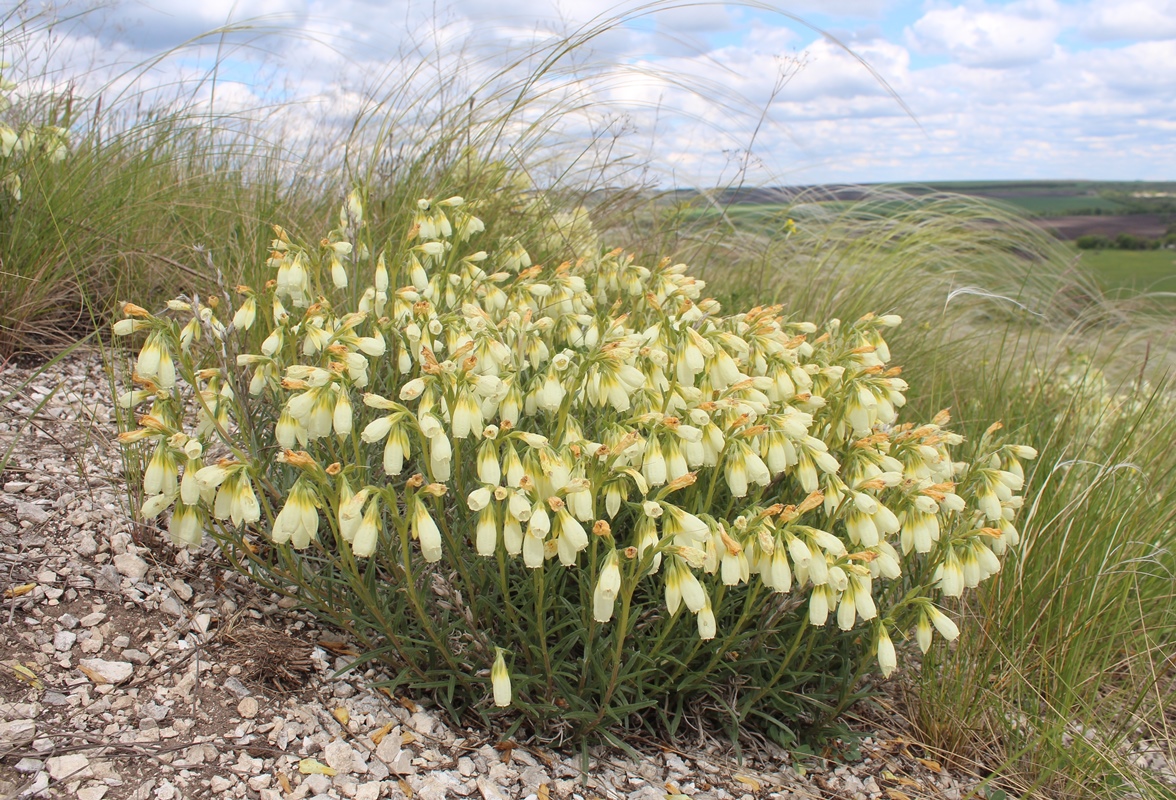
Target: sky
[(813, 91)]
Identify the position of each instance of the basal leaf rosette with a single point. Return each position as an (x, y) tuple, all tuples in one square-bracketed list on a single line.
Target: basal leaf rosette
[(590, 447)]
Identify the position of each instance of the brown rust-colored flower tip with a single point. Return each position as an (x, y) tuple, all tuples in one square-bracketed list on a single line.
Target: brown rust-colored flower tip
[(602, 528), (132, 310), (811, 502)]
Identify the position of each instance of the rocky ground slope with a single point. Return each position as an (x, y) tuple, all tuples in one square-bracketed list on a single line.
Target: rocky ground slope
[(131, 669)]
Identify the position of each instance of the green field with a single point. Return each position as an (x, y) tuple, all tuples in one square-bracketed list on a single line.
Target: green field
[(1057, 205), (1038, 198), (1132, 271)]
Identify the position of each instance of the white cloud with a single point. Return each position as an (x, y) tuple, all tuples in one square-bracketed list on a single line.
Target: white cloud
[(1107, 20), (688, 108), (1012, 35)]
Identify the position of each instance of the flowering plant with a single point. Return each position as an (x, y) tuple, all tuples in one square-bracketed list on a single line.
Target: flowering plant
[(576, 488), (50, 142)]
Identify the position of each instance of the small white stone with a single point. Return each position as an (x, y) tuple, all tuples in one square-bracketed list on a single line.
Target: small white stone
[(64, 640), (90, 620), (100, 670), (18, 731), (339, 756), (92, 792), (388, 750), (316, 783), (422, 723), (171, 606), (247, 708), (368, 791), (489, 790), (131, 566), (220, 784), (72, 767)]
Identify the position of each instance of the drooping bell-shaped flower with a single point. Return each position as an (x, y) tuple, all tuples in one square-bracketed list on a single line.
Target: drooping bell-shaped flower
[(500, 680)]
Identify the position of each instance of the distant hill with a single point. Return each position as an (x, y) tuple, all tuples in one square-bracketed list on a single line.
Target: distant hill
[(1040, 198)]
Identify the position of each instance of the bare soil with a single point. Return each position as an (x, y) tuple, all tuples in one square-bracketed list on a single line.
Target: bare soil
[(1151, 226)]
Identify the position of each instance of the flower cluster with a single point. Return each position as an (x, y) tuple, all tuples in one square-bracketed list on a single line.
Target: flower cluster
[(47, 141), (433, 401)]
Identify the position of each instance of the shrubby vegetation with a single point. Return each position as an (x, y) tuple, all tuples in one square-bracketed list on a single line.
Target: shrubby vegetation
[(645, 502), (1124, 241)]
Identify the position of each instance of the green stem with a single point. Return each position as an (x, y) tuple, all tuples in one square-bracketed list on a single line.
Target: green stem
[(781, 669), (456, 559), (541, 621), (414, 598), (622, 634)]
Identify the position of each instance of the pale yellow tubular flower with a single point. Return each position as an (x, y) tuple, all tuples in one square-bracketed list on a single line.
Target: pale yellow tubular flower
[(950, 575), (467, 416), (134, 397), (887, 658), (396, 448), (246, 314), (189, 334), (846, 611), (923, 632), (673, 586), (297, 522), (273, 342), (186, 526), (342, 416), (693, 594), (486, 532), (533, 548), (244, 507), (125, 327), (425, 530), (819, 605), (440, 457), (735, 471), (288, 431), (489, 471), (147, 364), (479, 498), (512, 535), (350, 510), (946, 627), (189, 487), (500, 680), (571, 539), (367, 535), (321, 419), (778, 576), (162, 474), (707, 625), (377, 429), (154, 505), (338, 273), (608, 585), (647, 539)]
